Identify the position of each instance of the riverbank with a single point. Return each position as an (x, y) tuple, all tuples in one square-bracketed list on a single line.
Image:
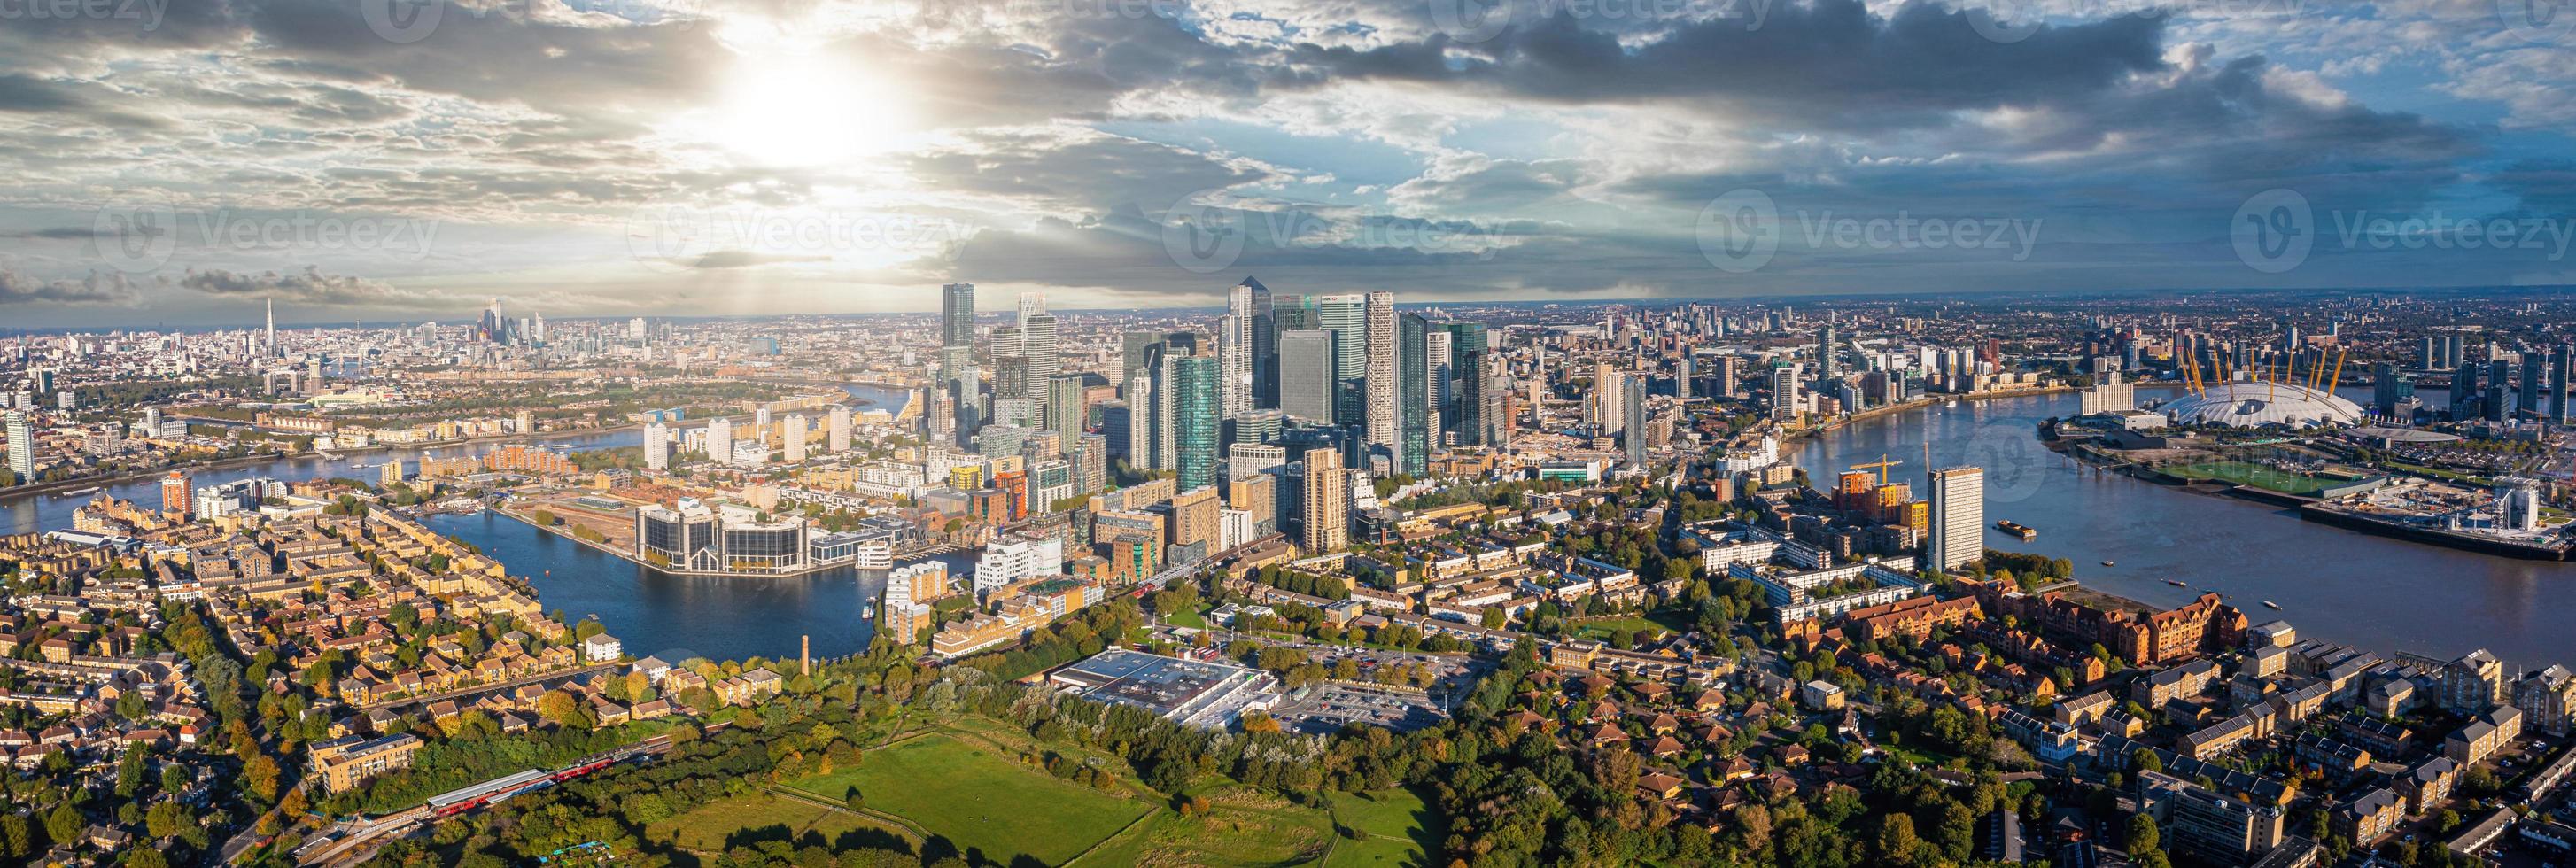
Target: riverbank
[(111, 481), (2322, 511), (621, 554)]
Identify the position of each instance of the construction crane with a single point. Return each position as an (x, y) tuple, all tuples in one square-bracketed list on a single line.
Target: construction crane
[(1881, 465)]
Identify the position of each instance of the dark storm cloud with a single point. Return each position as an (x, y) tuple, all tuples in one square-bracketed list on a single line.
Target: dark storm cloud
[(1826, 63), (97, 288), (309, 286)]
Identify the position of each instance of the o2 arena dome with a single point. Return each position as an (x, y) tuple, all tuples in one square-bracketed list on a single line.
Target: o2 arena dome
[(2254, 405)]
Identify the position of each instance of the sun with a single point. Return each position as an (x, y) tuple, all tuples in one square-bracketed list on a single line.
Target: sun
[(806, 109)]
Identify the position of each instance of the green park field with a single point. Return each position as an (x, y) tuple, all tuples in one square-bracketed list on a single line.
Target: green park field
[(980, 802)]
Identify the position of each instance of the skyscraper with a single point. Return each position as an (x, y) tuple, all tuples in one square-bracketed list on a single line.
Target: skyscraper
[(1784, 393), (1038, 343), (272, 324), (793, 435), (1234, 351), (1065, 411), (1466, 414), (657, 446), (837, 437), (1325, 497), (1195, 421), (1263, 330), (176, 494), (1958, 532), (1378, 371), (22, 446), (1607, 403), (957, 315), (1825, 354), (1306, 383), (2535, 379), (1632, 406), (1413, 396), (1346, 317), (2562, 363)]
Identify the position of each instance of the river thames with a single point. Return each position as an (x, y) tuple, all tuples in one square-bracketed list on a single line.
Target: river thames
[(2377, 593)]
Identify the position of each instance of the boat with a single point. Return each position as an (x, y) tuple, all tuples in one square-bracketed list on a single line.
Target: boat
[(2271, 605), (2026, 532), (80, 492), (2176, 584), (2109, 564)]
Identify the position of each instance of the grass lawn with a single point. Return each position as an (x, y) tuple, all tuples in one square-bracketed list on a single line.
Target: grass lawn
[(2256, 475), (761, 817), (1241, 828), (1191, 619), (1642, 627), (981, 802), (1401, 830)]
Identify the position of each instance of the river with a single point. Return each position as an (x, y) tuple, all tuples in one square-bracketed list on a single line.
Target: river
[(2333, 584), (652, 612), (2369, 591)]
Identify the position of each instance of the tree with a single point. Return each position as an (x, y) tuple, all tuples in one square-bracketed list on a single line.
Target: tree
[(164, 820), (261, 772), (1896, 840), (2142, 834), (64, 825)]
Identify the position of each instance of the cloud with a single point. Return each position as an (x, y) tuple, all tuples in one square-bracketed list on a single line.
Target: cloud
[(311, 286), (96, 289), (746, 259)]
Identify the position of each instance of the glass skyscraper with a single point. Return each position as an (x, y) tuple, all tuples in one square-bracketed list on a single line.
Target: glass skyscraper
[(1196, 421), (1412, 396)]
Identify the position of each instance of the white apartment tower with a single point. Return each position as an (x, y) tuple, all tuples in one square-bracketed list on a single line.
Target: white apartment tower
[(1958, 517)]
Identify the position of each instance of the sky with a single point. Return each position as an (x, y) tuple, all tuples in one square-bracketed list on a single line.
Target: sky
[(180, 162)]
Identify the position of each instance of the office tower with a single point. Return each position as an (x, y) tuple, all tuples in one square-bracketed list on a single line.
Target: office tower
[(1378, 371), (1826, 369), (794, 437), (2499, 375), (1325, 497), (837, 437), (1784, 393), (1038, 344), (2535, 379), (1605, 404), (1958, 533), (720, 440), (1234, 350), (176, 494), (1306, 383), (2387, 388), (22, 447), (1166, 411), (1264, 351), (2465, 389), (1465, 414), (1256, 426), (1346, 316), (2561, 365), (1141, 400), (1196, 421), (657, 446), (1440, 366), (1066, 414), (1413, 397), (1633, 428), (1244, 460), (1682, 377), (1092, 463), (272, 324), (957, 315), (635, 329)]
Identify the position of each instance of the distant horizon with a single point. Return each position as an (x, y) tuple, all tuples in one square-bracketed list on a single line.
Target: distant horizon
[(981, 311)]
